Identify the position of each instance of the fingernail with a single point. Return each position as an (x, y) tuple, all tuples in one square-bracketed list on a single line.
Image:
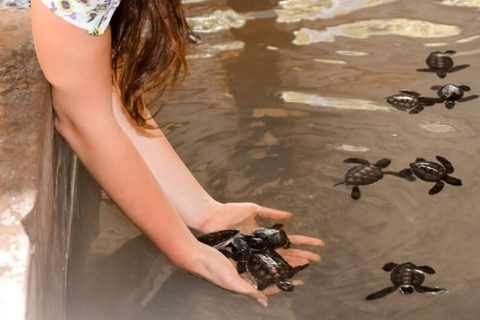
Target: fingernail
[(262, 302)]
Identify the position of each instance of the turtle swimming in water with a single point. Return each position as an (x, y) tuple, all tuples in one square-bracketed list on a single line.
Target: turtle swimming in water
[(410, 100), (267, 267), (432, 172), (441, 63), (451, 93), (366, 173), (408, 278)]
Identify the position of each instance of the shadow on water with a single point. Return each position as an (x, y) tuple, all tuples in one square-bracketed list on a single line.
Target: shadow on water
[(253, 80)]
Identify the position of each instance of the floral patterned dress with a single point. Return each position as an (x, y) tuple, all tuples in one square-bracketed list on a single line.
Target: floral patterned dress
[(91, 15)]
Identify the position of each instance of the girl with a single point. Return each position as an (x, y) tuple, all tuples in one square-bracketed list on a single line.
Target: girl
[(99, 70)]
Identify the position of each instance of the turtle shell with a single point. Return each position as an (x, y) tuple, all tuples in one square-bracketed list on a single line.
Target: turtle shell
[(427, 170), (363, 175), (219, 239), (407, 274), (450, 92), (267, 269), (402, 101), (440, 61)]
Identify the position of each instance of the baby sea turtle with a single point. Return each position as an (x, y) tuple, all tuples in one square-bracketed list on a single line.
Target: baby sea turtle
[(234, 244), (410, 100), (432, 172), (275, 236), (365, 174), (441, 63), (219, 239), (267, 267), (408, 278), (451, 93)]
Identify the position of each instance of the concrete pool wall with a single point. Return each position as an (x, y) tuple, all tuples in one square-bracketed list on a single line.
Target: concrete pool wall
[(38, 179)]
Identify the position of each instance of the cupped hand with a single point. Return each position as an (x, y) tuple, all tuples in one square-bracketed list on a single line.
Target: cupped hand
[(213, 266), (243, 216)]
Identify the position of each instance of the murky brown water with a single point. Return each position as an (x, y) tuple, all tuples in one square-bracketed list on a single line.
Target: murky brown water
[(279, 94)]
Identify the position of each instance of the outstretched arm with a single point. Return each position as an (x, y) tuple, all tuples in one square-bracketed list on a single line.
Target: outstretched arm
[(78, 67)]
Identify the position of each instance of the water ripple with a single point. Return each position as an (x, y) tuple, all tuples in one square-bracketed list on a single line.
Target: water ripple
[(331, 102), (297, 10), (462, 3), (365, 29)]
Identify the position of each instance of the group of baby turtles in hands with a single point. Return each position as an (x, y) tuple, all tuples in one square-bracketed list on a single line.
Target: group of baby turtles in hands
[(255, 255), (439, 63), (365, 173)]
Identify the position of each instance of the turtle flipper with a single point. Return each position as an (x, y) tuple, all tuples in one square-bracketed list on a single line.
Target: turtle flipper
[(383, 163), (381, 293), (464, 87), (277, 226), (407, 177), (458, 68), (426, 70), (405, 173), (420, 160), (262, 285), (450, 52), (453, 181), (427, 101), (355, 193), (463, 99), (425, 289), (299, 268), (242, 267), (285, 285), (446, 164), (427, 269), (389, 266), (357, 161), (412, 93), (416, 110), (436, 188), (226, 253), (436, 87), (337, 184)]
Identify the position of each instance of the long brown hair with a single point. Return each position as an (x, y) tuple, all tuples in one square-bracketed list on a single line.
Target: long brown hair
[(149, 42)]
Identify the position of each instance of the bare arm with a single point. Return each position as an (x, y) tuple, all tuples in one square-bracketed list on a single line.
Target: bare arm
[(193, 203), (78, 67)]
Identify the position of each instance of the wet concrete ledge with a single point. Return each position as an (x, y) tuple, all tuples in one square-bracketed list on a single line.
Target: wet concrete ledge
[(37, 183)]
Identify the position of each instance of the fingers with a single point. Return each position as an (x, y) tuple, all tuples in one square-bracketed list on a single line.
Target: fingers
[(295, 262), (272, 213), (273, 289), (296, 253), (298, 239), (246, 289)]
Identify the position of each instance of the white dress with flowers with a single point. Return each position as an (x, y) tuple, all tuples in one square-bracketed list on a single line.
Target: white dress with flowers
[(91, 15)]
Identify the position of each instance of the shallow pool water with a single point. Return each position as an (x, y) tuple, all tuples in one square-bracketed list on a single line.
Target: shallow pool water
[(278, 94)]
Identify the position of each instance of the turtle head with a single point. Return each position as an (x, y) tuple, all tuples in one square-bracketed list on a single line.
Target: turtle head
[(449, 104), (441, 74), (276, 237), (407, 289)]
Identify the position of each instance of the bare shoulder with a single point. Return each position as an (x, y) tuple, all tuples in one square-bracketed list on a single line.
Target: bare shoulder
[(68, 54)]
